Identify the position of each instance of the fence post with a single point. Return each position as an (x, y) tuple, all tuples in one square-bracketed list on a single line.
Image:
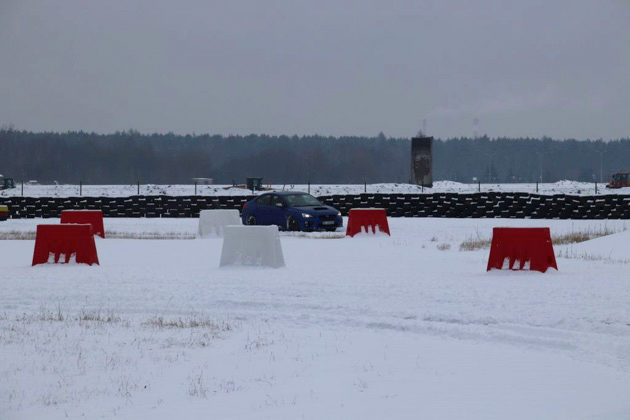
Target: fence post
[(309, 186), (80, 188), (22, 188), (195, 187), (138, 187), (595, 187), (364, 185), (536, 186), (479, 186)]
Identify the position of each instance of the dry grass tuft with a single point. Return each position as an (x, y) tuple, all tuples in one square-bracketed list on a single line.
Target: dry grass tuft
[(58, 315), (315, 235), (149, 235), (475, 244), (570, 254), (44, 315), (587, 235), (443, 246), (97, 316), (17, 235), (160, 322), (197, 386)]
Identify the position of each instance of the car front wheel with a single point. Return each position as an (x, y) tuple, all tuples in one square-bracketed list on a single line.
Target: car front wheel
[(251, 220), (292, 224)]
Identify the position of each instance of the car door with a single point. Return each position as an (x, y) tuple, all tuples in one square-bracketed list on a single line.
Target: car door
[(278, 211), (263, 209)]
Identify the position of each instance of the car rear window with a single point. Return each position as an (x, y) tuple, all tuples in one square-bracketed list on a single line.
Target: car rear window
[(264, 200), (300, 200)]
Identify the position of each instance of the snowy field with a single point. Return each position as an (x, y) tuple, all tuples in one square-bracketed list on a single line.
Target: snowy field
[(407, 326), (561, 187)]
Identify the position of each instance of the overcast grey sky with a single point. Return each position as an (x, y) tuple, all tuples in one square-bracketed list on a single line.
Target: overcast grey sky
[(338, 67)]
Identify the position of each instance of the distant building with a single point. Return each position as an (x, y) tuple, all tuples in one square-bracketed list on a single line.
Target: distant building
[(203, 181), (422, 161)]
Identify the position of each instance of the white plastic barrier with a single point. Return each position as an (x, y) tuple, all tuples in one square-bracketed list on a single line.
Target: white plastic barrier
[(212, 222), (252, 246)]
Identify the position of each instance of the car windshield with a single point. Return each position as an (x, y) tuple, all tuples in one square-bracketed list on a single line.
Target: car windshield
[(301, 200)]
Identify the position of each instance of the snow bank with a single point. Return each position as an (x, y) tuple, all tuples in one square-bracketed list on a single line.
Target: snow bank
[(252, 245), (212, 222), (613, 247)]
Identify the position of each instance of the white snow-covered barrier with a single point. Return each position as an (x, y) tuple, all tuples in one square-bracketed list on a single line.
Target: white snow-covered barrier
[(212, 222), (252, 246)]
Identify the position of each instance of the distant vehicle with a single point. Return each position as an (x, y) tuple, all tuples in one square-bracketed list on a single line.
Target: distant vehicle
[(291, 211), (6, 183), (619, 180), (4, 212)]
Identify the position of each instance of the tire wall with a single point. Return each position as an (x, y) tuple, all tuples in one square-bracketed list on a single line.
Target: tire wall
[(479, 205)]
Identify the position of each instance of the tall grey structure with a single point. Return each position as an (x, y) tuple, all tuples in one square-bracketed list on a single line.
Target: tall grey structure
[(422, 161)]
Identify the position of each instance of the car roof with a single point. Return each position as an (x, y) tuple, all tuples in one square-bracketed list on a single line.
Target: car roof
[(283, 193)]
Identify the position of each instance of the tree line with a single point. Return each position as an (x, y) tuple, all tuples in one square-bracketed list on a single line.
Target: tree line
[(129, 156)]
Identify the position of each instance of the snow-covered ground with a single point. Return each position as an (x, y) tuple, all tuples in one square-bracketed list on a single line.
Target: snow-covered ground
[(406, 326), (561, 187)]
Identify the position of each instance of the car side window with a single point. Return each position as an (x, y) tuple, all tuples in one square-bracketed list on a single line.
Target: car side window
[(275, 199), (264, 200)]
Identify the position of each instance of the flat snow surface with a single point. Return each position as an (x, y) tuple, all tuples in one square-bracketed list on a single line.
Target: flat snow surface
[(370, 327), (560, 187)]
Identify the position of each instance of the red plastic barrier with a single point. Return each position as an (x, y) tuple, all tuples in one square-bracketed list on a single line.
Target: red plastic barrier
[(93, 217), (366, 218), (524, 245), (67, 239)]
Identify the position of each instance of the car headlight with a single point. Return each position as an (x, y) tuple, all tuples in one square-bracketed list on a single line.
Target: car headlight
[(306, 215)]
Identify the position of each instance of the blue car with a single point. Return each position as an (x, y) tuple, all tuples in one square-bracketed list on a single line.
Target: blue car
[(291, 211)]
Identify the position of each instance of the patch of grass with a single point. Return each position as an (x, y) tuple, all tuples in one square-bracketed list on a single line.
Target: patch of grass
[(443, 246), (197, 386), (58, 315), (17, 235), (582, 236), (476, 243), (97, 316), (590, 257), (46, 315), (161, 323), (256, 343), (149, 235), (315, 235), (126, 387), (30, 235)]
